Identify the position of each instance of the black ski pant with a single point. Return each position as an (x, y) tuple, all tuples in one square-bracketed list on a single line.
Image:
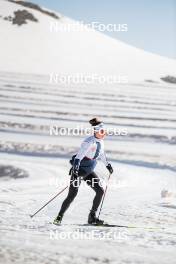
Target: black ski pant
[(93, 181)]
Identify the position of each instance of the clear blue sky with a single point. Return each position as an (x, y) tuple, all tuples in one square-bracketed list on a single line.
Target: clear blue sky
[(151, 23)]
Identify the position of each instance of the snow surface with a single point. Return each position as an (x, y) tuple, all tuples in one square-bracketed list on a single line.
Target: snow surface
[(143, 161), (39, 47)]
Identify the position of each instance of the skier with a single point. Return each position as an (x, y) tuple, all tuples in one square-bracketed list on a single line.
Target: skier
[(83, 164)]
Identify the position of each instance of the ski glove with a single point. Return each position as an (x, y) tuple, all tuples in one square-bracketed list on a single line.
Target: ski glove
[(76, 168), (110, 169)]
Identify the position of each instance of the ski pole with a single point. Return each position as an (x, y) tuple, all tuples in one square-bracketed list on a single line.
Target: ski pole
[(104, 195), (48, 202), (51, 199)]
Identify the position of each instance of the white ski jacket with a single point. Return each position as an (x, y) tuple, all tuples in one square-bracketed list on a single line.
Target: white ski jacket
[(92, 148)]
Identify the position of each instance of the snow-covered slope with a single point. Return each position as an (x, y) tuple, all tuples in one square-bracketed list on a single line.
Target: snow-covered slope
[(33, 48), (143, 162), (34, 165)]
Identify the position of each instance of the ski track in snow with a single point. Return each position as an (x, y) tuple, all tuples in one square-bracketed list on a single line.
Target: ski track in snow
[(143, 161)]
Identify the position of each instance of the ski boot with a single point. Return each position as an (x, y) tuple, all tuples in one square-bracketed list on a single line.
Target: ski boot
[(93, 220), (57, 220)]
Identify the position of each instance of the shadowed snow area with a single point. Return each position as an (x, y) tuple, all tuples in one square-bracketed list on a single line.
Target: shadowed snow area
[(12, 172), (143, 161)]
